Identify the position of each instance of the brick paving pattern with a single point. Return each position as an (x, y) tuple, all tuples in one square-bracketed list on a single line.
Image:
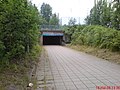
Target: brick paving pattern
[(66, 69)]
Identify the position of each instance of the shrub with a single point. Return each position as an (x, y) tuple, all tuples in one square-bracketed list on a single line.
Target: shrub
[(98, 36)]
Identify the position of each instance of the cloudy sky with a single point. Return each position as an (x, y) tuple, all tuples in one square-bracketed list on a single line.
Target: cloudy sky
[(68, 8)]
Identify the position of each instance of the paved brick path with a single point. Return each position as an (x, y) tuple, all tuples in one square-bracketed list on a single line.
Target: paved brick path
[(66, 69)]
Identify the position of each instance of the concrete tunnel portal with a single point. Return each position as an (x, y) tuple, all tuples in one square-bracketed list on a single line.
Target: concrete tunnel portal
[(52, 38)]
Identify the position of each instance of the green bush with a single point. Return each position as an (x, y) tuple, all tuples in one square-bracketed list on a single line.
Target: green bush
[(98, 36), (70, 30), (19, 29)]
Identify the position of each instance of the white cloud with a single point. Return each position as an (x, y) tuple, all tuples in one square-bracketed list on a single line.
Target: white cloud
[(68, 8)]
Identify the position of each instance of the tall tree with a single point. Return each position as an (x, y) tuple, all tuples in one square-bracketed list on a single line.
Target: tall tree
[(116, 14), (100, 14), (105, 17), (105, 13), (72, 22), (95, 12), (46, 12), (54, 20)]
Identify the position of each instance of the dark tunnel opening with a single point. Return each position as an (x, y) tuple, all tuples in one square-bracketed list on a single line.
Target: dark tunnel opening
[(52, 40)]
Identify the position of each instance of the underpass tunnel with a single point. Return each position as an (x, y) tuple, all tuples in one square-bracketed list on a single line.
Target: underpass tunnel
[(52, 40)]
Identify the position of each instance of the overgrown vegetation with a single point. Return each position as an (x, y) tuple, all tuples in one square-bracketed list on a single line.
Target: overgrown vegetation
[(71, 29), (97, 36), (105, 13), (19, 29), (16, 76), (19, 38), (95, 40)]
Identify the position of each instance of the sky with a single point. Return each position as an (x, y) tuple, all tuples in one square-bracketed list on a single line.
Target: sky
[(78, 9)]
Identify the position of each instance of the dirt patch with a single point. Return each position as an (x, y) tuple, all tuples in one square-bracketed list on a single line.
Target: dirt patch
[(101, 53)]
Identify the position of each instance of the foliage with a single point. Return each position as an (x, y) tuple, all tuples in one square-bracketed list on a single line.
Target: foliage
[(19, 35), (47, 17), (115, 19), (19, 28), (105, 13), (98, 36), (72, 22), (19, 74), (54, 20), (70, 30), (46, 12)]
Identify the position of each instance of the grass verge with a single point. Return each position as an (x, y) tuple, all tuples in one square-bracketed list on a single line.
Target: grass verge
[(101, 53), (16, 76)]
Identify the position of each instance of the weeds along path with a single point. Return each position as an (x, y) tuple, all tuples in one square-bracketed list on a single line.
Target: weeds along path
[(44, 73)]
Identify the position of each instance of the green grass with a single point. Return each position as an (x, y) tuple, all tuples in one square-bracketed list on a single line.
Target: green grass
[(17, 73)]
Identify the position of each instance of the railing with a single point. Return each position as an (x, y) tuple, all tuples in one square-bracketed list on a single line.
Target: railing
[(50, 27)]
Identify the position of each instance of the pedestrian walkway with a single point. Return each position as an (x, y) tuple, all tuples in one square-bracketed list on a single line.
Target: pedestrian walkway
[(65, 69)]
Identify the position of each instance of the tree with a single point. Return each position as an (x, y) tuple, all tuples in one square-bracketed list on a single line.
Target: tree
[(100, 14), (46, 12), (105, 17), (54, 20), (106, 14), (116, 14), (72, 22)]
